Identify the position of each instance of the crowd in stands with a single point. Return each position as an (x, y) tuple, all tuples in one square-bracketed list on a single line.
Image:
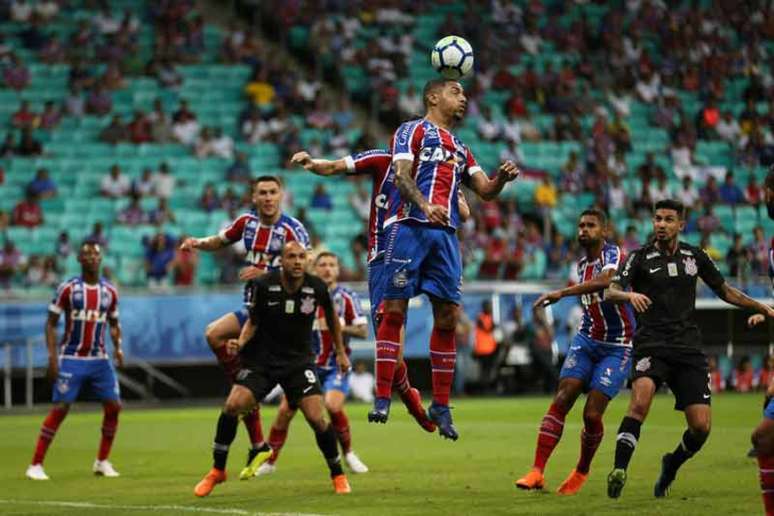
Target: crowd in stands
[(743, 377)]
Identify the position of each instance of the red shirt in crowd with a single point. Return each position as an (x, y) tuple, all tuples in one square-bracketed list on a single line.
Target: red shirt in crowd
[(27, 213)]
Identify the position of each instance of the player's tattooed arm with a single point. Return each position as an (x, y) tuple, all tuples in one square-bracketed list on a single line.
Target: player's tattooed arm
[(407, 186), (738, 298), (321, 167), (597, 284), (487, 188), (210, 243), (53, 359), (115, 336), (617, 294)]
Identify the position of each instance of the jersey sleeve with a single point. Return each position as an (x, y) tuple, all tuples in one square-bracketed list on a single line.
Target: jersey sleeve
[(353, 311), (627, 270), (611, 258), (367, 162), (298, 233), (61, 301), (234, 230), (471, 165), (407, 140), (708, 271)]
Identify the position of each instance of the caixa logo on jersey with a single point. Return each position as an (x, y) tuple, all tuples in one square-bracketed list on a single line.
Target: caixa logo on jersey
[(436, 154), (88, 315)]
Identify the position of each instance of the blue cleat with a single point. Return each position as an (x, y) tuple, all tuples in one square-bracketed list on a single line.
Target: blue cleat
[(381, 411), (441, 416), (665, 479)]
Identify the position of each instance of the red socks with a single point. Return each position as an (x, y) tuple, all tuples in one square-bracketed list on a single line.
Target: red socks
[(387, 349), (47, 433), (766, 475), (400, 381), (252, 423), (276, 442), (548, 437), (591, 437), (109, 426), (341, 425), (443, 356)]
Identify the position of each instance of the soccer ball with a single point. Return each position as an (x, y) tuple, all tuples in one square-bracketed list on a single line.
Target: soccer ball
[(452, 57)]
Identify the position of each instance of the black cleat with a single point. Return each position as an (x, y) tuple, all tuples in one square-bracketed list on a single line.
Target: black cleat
[(665, 479), (615, 483)]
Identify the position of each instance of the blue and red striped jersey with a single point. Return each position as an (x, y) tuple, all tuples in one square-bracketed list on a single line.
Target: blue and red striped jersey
[(441, 163), (376, 163), (347, 306), (87, 308), (603, 321), (771, 263)]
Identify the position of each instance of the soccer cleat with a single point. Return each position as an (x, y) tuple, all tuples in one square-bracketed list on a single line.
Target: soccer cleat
[(665, 479), (267, 468), (532, 480), (341, 484), (259, 457), (354, 463), (441, 416), (381, 411), (752, 452), (104, 468), (210, 480), (413, 401), (615, 482), (35, 472), (573, 483)]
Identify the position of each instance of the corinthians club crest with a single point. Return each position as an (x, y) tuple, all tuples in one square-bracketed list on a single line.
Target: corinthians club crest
[(690, 266), (307, 305)]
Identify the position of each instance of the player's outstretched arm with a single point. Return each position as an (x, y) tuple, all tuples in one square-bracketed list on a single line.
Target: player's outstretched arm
[(210, 243), (321, 167), (115, 336), (53, 359), (601, 282), (616, 294), (487, 188), (738, 298)]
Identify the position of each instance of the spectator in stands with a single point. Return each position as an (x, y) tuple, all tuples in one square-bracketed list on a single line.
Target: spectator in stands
[(541, 351), (488, 128), (617, 201), (572, 174), (687, 193), (28, 145), (717, 382), (362, 383), (99, 101), (239, 171), (259, 90), (167, 75), (62, 247), (24, 118), (203, 148), (113, 79), (320, 117), (759, 252), (546, 198), (738, 260), (209, 199), (767, 373), (162, 214), (706, 245), (410, 103), (495, 253), (9, 146), (360, 200), (51, 115), (660, 189), (97, 235), (728, 128), (185, 127), (631, 240), (143, 186), (730, 193), (164, 182), (753, 194), (74, 103), (485, 345), (184, 265), (710, 193), (707, 121), (159, 254), (115, 184), (140, 129), (27, 213), (222, 144), (115, 132), (11, 263), (557, 257), (15, 74), (43, 187), (321, 199), (53, 52), (743, 378), (133, 214), (708, 222)]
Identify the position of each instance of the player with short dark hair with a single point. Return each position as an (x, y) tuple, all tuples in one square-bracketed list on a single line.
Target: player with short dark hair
[(263, 232), (422, 253), (662, 276), (597, 362), (275, 347), (335, 385), (90, 304)]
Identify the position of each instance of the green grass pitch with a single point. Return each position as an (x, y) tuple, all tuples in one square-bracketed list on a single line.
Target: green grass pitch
[(162, 453)]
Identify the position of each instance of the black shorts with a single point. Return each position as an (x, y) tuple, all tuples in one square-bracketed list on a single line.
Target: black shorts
[(297, 382), (685, 371)]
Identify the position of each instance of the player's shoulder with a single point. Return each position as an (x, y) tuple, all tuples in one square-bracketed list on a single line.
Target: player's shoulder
[(68, 283), (269, 279), (686, 249), (246, 216), (108, 284), (315, 282), (345, 291), (290, 221), (408, 128)]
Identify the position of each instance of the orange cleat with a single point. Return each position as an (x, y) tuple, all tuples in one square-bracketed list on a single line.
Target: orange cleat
[(341, 484), (532, 480), (210, 480), (573, 483), (413, 401)]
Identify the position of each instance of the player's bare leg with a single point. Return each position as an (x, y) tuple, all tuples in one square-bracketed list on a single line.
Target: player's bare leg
[(334, 403), (443, 357), (312, 408), (591, 437), (551, 431), (699, 419), (643, 390), (763, 442), (47, 433), (240, 400), (388, 349), (277, 436), (102, 466)]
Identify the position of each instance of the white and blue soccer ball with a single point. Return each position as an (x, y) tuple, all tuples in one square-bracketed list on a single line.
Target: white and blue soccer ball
[(452, 57)]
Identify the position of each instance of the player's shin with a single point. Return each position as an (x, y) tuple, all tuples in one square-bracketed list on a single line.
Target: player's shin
[(277, 438), (443, 356), (224, 436), (109, 427), (591, 437), (326, 442), (626, 441), (387, 350), (47, 432), (766, 476), (551, 428), (689, 445), (400, 381), (340, 424), (252, 422)]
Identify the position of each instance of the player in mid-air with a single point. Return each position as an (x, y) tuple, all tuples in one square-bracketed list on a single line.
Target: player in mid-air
[(276, 348), (263, 231), (662, 276), (598, 359), (90, 304), (376, 164), (335, 385), (422, 253)]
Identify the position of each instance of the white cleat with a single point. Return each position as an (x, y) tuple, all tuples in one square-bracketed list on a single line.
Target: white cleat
[(265, 469), (354, 463), (104, 468), (35, 472)]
